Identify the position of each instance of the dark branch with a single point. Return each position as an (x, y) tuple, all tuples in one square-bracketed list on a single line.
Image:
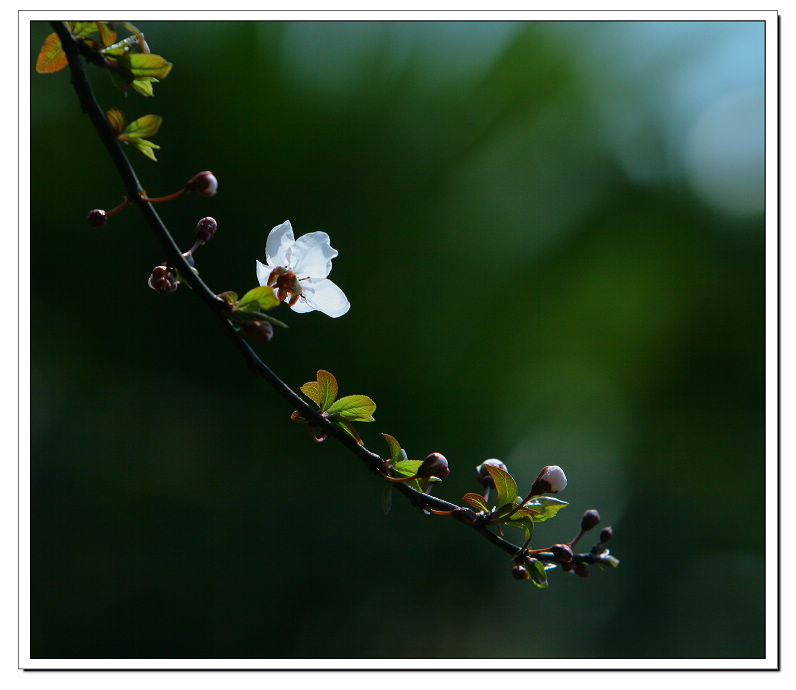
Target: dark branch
[(73, 50)]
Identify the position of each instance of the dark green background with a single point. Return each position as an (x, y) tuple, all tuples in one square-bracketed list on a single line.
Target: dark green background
[(519, 290)]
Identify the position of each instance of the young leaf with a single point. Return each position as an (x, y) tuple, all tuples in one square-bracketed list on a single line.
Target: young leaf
[(538, 574), (144, 85), (353, 408), (504, 483), (351, 431), (407, 468), (51, 56), (148, 65), (323, 391), (524, 523), (545, 507), (476, 501), (117, 120), (145, 147), (145, 126), (395, 448), (107, 33), (261, 298), (82, 29)]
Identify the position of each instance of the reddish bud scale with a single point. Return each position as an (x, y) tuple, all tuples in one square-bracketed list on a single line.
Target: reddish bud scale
[(163, 280), (562, 553), (605, 534), (484, 478), (203, 183), (261, 331), (206, 228), (520, 573)]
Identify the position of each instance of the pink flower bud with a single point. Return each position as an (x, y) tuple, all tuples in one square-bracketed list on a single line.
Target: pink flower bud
[(204, 183), (434, 465), (605, 534), (551, 480), (96, 218), (206, 228), (484, 478), (163, 280), (563, 553)]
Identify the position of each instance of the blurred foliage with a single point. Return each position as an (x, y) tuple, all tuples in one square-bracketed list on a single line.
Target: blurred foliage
[(534, 275)]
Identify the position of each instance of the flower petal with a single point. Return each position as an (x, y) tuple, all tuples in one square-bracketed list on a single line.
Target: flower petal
[(279, 240), (311, 255), (263, 272), (301, 307), (324, 296)]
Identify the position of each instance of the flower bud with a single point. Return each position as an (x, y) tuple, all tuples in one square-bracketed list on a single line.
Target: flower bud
[(590, 519), (520, 573), (204, 183), (582, 570), (551, 480), (96, 218), (434, 465), (567, 567), (484, 478), (605, 534), (261, 331), (163, 280), (563, 553), (206, 228)]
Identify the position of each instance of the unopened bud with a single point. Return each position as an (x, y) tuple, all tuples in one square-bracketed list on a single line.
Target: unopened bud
[(582, 570), (163, 280), (206, 228), (261, 331), (567, 567), (589, 520), (434, 465), (204, 183), (551, 480), (605, 534), (484, 477), (563, 553), (520, 573), (96, 218)]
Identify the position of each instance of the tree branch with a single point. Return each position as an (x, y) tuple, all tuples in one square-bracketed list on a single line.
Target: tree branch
[(74, 50)]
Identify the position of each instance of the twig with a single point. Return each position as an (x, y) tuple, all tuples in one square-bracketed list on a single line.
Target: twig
[(73, 50)]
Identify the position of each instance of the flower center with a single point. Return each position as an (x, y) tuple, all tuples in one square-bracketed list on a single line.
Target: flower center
[(286, 284)]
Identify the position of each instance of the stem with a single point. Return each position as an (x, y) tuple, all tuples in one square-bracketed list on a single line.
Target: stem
[(161, 199), (220, 308), (119, 207)]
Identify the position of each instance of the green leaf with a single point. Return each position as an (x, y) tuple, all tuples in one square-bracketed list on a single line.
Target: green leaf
[(323, 391), (476, 501), (145, 147), (351, 431), (107, 32), (505, 485), (143, 85), (545, 507), (148, 65), (51, 56), (258, 299), (538, 573), (145, 126), (407, 468), (82, 29), (386, 499), (524, 523), (395, 448), (353, 408)]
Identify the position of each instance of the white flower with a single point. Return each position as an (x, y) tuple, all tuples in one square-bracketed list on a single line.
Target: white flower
[(297, 271), (551, 480)]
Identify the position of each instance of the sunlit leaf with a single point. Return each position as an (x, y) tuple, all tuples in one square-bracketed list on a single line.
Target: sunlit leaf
[(143, 85), (82, 29), (148, 65), (117, 119), (476, 501), (261, 298), (353, 408), (407, 468), (145, 126), (395, 448), (323, 391), (524, 523), (145, 147), (504, 484), (545, 507), (107, 33), (51, 56), (538, 573), (350, 431)]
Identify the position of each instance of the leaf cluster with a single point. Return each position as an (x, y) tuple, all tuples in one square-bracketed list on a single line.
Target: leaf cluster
[(252, 306)]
